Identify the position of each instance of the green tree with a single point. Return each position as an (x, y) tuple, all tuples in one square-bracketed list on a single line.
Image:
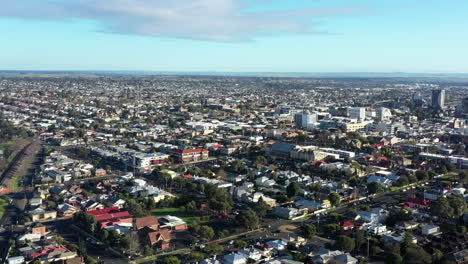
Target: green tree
[(293, 189), (334, 198), (206, 233), (104, 235), (171, 260), (247, 219), (374, 187), (458, 205), (442, 208), (191, 207), (437, 255), (147, 250), (261, 207), (345, 243), (196, 257), (330, 229), (125, 242), (260, 160), (240, 244), (309, 230), (213, 248), (417, 255), (393, 258), (314, 187), (422, 175)]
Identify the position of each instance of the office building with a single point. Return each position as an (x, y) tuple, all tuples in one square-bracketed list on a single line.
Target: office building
[(357, 113), (438, 99), (305, 120)]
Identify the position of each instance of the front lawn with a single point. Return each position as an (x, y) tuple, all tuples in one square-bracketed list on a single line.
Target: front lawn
[(174, 211)]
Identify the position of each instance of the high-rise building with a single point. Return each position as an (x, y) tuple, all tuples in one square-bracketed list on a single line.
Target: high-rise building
[(305, 119), (438, 99), (357, 113), (465, 105)]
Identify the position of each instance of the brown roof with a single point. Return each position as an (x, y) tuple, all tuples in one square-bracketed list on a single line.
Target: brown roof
[(146, 221), (160, 235)]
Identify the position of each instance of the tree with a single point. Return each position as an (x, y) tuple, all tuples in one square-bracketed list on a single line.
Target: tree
[(206, 233), (406, 243), (402, 181), (104, 235), (334, 198), (336, 217), (330, 229), (191, 207), (213, 248), (309, 230), (422, 175), (417, 255), (458, 205), (261, 207), (374, 187), (220, 206), (147, 251), (442, 208), (171, 260), (247, 219), (260, 160), (114, 237), (437, 255), (395, 216), (293, 189), (125, 242), (196, 257), (240, 244), (314, 187), (345, 243), (393, 258)]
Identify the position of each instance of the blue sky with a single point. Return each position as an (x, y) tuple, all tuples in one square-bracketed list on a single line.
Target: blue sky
[(426, 36)]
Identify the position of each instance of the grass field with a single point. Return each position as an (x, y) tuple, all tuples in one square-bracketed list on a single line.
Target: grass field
[(4, 201), (174, 211)]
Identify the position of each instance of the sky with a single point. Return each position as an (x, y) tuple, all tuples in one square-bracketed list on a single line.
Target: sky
[(417, 36)]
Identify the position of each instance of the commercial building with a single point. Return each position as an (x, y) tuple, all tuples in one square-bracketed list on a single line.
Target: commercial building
[(190, 155), (438, 99), (357, 112), (305, 119)]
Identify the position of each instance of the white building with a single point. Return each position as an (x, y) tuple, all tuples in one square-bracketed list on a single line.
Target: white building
[(357, 113), (305, 120), (384, 114)]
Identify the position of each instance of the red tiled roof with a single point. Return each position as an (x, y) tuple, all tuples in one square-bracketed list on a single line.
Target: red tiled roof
[(112, 217), (104, 211), (347, 224), (163, 234), (146, 221), (419, 201), (47, 250)]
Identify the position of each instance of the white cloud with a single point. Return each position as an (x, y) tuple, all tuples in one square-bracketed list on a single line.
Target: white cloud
[(212, 20)]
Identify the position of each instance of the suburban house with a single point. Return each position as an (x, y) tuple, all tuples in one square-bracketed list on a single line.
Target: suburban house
[(111, 217)]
